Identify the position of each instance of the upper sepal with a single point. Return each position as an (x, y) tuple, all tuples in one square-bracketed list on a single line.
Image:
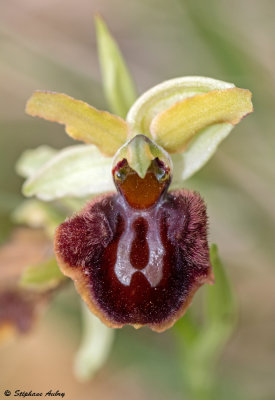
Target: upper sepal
[(164, 95), (191, 115), (175, 127)]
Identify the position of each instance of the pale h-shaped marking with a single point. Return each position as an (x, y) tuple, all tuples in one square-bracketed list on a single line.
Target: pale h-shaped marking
[(153, 270)]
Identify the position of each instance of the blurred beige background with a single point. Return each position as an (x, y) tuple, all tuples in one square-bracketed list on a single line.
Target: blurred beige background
[(51, 45)]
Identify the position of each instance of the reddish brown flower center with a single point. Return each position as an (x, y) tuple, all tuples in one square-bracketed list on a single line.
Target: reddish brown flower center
[(141, 193)]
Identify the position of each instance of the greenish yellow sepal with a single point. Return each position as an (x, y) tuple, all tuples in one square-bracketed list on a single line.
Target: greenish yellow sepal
[(83, 122), (175, 127)]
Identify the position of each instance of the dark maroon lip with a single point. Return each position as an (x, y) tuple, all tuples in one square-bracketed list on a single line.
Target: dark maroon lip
[(138, 267)]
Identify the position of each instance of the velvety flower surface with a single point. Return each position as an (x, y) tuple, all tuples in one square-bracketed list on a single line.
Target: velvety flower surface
[(137, 257)]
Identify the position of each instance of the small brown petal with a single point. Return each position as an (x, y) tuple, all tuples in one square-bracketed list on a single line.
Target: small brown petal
[(19, 307)]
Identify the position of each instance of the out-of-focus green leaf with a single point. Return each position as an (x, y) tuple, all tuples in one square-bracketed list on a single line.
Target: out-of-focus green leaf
[(83, 122), (187, 329), (201, 342), (96, 344), (161, 97), (118, 84), (38, 214), (76, 171), (43, 276), (31, 160), (175, 127), (219, 319), (220, 303)]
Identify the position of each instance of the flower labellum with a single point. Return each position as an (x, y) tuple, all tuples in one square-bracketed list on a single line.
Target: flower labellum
[(138, 256)]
